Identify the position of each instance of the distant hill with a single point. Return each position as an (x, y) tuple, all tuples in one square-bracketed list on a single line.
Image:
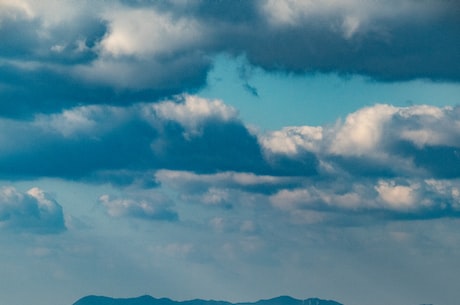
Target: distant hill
[(148, 300)]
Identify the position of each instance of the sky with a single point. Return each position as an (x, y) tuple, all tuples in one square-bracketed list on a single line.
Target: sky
[(230, 150)]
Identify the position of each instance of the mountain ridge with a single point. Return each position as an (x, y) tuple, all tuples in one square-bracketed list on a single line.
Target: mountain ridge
[(149, 300)]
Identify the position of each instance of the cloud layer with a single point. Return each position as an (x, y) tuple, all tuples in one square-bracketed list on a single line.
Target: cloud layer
[(397, 162)]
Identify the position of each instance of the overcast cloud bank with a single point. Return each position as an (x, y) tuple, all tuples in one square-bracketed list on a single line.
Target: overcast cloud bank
[(129, 51)]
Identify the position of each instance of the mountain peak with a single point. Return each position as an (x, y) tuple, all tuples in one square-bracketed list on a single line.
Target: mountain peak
[(149, 300)]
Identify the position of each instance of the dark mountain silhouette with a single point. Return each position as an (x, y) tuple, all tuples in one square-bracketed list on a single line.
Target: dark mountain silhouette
[(148, 300)]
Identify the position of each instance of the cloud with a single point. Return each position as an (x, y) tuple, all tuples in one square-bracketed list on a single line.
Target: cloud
[(292, 140), (362, 131), (396, 162), (75, 53), (364, 37), (187, 133), (147, 32), (50, 33), (380, 160), (217, 186), (377, 140), (123, 52), (152, 208), (194, 112), (339, 202), (350, 15), (192, 134), (34, 211), (398, 196)]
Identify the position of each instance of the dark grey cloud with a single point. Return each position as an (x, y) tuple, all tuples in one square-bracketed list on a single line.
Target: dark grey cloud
[(440, 161), (126, 144), (34, 211), (402, 41), (412, 51), (75, 54), (130, 51)]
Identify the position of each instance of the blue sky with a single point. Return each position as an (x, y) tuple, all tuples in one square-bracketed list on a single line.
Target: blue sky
[(231, 150), (315, 99)]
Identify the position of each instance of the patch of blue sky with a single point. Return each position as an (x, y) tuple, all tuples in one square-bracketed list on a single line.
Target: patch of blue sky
[(272, 100)]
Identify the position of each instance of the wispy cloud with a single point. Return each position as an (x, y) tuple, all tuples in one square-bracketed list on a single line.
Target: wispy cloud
[(152, 208)]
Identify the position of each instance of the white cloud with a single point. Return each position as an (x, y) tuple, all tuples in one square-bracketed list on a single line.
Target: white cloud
[(291, 140), (96, 120), (322, 197), (449, 189), (149, 73), (146, 32), (398, 196), (190, 180), (52, 13), (428, 125), (153, 207), (193, 111), (215, 196), (406, 197), (33, 211), (89, 120), (291, 199), (362, 131), (68, 122), (15, 8), (370, 132)]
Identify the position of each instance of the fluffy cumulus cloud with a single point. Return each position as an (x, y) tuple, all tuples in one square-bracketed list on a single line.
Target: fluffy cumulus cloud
[(399, 161), (292, 140), (194, 111), (379, 139), (33, 211), (371, 163), (148, 49), (364, 169), (187, 133), (148, 32), (71, 53)]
